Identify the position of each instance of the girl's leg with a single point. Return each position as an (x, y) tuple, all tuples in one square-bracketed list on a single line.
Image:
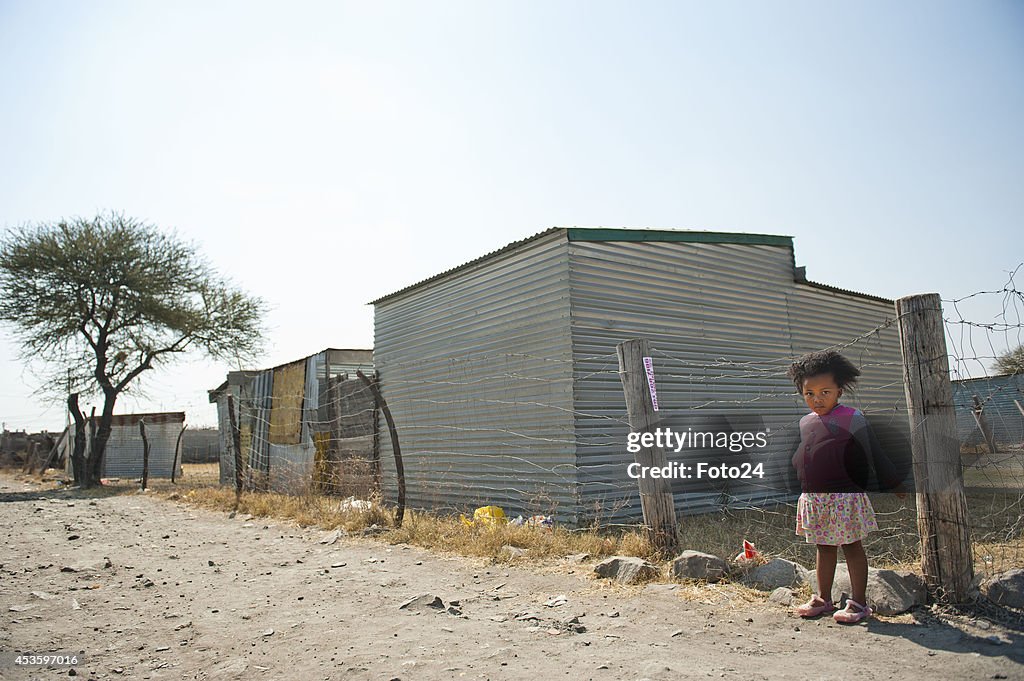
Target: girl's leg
[(827, 557), (857, 564)]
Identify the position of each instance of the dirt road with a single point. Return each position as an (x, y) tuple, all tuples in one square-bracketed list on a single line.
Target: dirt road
[(153, 589)]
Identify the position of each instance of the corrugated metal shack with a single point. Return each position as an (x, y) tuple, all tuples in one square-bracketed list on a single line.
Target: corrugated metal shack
[(503, 379), (305, 422), (123, 456), (998, 397), (232, 387)]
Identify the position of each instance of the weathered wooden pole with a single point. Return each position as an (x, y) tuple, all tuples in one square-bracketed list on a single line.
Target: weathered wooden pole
[(177, 450), (946, 556), (30, 457), (78, 453), (393, 432), (986, 430), (236, 444), (53, 453), (145, 452), (636, 370)]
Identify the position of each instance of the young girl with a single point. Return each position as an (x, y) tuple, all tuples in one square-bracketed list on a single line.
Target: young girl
[(834, 461)]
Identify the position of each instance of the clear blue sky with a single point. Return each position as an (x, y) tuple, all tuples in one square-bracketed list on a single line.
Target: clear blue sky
[(326, 153)]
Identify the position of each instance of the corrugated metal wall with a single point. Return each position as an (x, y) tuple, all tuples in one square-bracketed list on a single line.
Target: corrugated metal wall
[(281, 467), (476, 369), (715, 317), (291, 465), (504, 381), (122, 457), (997, 395), (255, 403), (820, 318), (724, 321)]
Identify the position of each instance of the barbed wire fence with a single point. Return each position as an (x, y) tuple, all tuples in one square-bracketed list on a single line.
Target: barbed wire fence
[(990, 420), (546, 436)]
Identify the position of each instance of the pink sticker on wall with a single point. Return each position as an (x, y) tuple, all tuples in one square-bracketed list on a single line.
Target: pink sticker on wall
[(649, 370)]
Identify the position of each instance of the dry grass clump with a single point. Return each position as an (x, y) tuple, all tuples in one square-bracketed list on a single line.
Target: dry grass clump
[(307, 510), (441, 533), (995, 521), (451, 534)]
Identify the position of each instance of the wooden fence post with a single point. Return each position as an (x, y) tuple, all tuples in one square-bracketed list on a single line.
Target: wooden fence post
[(986, 430), (946, 556), (393, 432), (656, 498), (177, 448), (145, 452), (236, 443)]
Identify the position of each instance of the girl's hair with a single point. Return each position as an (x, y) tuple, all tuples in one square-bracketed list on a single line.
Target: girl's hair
[(824, 362)]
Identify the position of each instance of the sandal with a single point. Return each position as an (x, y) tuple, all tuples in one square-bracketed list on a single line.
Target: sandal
[(814, 607), (854, 612)]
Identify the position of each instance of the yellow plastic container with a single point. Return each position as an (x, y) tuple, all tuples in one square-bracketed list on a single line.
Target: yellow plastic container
[(489, 515)]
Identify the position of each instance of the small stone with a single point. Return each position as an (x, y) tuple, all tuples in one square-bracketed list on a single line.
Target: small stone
[(513, 551), (268, 632), (333, 537), (783, 596), (422, 602)]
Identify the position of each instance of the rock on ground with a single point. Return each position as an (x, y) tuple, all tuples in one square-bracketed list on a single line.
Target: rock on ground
[(783, 596), (626, 569), (775, 573), (697, 565), (888, 592), (1006, 588)]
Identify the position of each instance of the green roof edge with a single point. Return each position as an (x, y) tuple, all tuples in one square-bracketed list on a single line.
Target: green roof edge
[(612, 234)]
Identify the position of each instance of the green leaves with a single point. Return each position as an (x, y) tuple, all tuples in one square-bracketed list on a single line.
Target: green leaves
[(112, 297), (1010, 362)]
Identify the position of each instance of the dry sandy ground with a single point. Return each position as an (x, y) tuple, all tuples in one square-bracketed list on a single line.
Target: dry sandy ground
[(155, 589)]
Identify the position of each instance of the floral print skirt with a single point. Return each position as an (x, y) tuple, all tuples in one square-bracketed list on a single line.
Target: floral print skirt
[(834, 518)]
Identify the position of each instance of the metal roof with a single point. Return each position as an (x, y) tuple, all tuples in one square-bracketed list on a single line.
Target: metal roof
[(836, 289), (612, 234)]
